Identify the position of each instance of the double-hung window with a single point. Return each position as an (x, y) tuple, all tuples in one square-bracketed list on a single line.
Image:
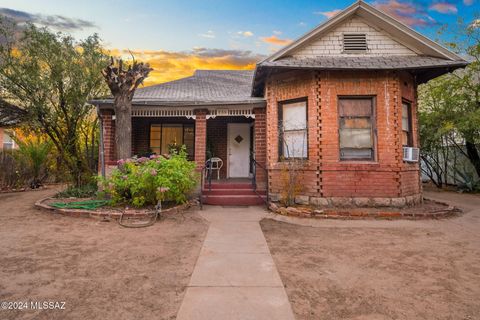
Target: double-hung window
[(8, 142), (356, 128), (292, 122)]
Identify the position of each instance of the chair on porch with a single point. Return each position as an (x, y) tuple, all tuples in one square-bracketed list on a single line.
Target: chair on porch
[(216, 164)]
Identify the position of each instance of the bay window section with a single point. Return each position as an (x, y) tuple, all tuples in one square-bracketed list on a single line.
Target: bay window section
[(165, 138), (356, 128), (293, 129)]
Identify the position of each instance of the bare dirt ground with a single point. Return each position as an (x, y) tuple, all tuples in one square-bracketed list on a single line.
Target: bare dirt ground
[(376, 270), (101, 270)]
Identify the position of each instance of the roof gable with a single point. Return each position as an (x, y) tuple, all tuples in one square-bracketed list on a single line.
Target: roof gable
[(398, 32), (330, 43)]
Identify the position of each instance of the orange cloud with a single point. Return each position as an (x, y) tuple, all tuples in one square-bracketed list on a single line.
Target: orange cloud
[(409, 13), (444, 7), (276, 40), (171, 65), (328, 14)]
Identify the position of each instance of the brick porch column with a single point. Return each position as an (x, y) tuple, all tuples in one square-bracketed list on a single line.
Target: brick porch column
[(260, 140), (108, 137), (200, 137)]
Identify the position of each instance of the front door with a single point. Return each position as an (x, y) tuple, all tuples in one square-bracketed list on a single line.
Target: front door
[(238, 150)]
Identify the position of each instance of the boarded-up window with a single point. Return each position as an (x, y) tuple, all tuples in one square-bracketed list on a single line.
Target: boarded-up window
[(293, 129), (356, 120), (164, 137), (407, 140)]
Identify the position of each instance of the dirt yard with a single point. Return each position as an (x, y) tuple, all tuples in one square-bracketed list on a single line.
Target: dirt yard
[(99, 269), (376, 270)]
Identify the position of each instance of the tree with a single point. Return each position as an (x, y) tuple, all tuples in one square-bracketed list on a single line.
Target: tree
[(122, 83), (50, 77), (450, 104)]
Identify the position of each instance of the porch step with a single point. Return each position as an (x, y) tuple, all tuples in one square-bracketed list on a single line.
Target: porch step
[(234, 200), (235, 185), (238, 192)]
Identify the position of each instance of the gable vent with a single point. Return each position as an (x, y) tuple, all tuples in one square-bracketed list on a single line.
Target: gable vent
[(354, 42)]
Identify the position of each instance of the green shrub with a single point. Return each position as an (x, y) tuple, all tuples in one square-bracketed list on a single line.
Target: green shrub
[(144, 181), (85, 191)]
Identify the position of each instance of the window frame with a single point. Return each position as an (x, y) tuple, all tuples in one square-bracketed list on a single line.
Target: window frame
[(281, 157), (373, 119), (160, 124), (410, 123)]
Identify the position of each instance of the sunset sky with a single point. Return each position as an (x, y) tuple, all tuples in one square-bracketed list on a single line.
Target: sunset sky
[(177, 37)]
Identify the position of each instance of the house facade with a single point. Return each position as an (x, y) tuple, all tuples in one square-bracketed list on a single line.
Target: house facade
[(340, 101)]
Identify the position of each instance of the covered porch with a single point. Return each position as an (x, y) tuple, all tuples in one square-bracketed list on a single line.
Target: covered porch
[(234, 136)]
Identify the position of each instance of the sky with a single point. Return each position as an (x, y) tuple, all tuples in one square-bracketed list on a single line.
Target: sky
[(178, 36)]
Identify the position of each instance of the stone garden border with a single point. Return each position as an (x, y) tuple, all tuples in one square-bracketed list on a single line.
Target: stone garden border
[(107, 213), (346, 213)]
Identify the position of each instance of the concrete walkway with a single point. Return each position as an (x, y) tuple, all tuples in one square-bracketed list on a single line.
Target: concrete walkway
[(235, 276)]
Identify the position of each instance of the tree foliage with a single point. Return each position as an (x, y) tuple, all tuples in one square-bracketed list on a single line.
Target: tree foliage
[(50, 77), (450, 107)]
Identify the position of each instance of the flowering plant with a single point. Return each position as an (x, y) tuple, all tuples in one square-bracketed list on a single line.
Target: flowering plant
[(144, 181)]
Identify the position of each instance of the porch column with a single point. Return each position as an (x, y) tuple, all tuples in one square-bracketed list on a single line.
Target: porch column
[(260, 140), (200, 137)]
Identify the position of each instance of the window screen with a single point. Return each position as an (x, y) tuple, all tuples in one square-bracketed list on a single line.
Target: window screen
[(293, 130), (356, 122)]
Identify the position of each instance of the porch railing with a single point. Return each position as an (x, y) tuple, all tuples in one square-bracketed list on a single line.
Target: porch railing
[(254, 165), (206, 172)]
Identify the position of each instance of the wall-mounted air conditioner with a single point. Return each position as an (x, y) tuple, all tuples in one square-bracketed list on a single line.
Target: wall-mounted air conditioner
[(411, 154)]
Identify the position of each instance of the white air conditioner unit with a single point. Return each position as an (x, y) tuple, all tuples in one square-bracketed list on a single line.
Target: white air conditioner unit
[(411, 154)]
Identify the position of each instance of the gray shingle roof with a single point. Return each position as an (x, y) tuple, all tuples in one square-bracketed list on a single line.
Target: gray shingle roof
[(205, 86), (362, 62)]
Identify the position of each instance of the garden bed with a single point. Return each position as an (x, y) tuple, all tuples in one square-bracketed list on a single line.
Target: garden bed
[(429, 209), (108, 212)]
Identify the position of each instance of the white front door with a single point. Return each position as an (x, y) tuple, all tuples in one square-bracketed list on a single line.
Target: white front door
[(238, 150)]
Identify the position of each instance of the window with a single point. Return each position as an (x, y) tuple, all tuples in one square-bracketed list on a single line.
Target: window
[(164, 137), (407, 136), (356, 123), (292, 118), (8, 142)]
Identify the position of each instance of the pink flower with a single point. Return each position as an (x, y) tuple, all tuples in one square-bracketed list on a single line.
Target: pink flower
[(142, 160), (120, 162), (163, 189), (153, 172)]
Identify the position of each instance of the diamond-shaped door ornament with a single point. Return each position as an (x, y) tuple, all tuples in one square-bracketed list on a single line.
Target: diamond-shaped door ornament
[(238, 138)]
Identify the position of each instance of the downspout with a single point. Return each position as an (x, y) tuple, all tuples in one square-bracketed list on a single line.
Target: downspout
[(102, 147)]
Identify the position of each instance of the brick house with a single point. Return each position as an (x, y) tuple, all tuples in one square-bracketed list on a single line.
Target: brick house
[(342, 97)]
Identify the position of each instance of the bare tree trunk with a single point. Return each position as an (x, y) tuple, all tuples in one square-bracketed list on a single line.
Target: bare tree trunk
[(123, 127)]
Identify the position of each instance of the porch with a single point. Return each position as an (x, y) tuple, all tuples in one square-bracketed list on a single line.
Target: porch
[(233, 136)]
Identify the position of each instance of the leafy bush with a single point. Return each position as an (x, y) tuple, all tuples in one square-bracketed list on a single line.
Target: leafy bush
[(144, 181), (85, 191)]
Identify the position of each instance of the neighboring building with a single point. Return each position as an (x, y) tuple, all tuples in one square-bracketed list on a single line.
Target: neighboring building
[(6, 142), (343, 97)]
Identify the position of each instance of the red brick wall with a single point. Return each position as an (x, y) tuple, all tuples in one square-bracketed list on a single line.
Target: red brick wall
[(200, 136), (260, 142), (325, 175), (109, 137)]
